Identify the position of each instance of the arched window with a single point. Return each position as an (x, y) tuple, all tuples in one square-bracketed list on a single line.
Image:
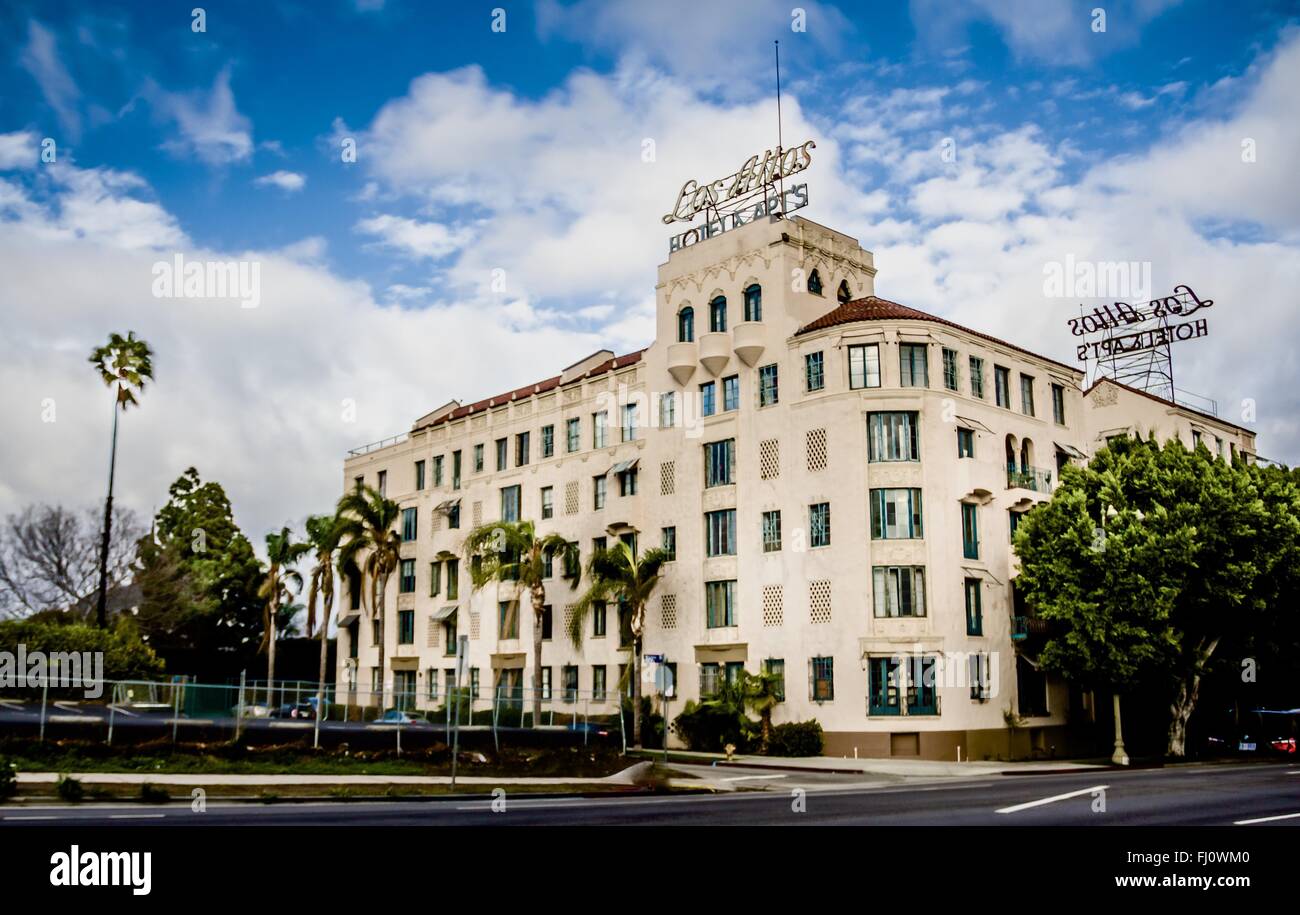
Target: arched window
[(815, 283), (1026, 455), (718, 314), (686, 325), (843, 294), (753, 303)]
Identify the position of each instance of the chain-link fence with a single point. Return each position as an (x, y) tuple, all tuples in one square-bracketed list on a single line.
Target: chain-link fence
[(290, 712)]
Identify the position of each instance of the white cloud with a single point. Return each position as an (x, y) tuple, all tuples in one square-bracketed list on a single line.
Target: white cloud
[(40, 58), (288, 182), (18, 150), (208, 124), (413, 238)]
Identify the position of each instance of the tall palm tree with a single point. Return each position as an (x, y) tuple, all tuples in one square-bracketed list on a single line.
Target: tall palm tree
[(762, 692), (280, 582), (372, 545), (618, 573), (324, 533), (127, 363), (512, 551)]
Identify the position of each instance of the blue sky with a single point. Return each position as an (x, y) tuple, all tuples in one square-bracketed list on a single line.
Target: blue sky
[(519, 153)]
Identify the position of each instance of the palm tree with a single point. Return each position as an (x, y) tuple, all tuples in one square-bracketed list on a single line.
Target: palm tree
[(324, 533), (618, 573), (279, 583), (762, 692), (511, 551), (127, 363), (372, 545)]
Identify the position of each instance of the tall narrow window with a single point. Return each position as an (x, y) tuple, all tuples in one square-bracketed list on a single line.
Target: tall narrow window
[(912, 368), (667, 410), (922, 694), (437, 470), (815, 282), (883, 693), (572, 433), (767, 389), (598, 492), (548, 441), (970, 538), (771, 531), (719, 462), (822, 674), (864, 366), (1002, 386), (950, 369), (965, 442), (718, 314), (383, 483), (502, 454), (686, 325), (974, 608), (548, 502), (523, 448), (629, 422), (813, 372), (977, 377), (720, 603), (708, 398), (731, 393), (1058, 404), (753, 303), (843, 294), (510, 498), (478, 458), (720, 533), (819, 524), (419, 475), (598, 432), (410, 525), (406, 575), (670, 543), (455, 470), (1026, 394)]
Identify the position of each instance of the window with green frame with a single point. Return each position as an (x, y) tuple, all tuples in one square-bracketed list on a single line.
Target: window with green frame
[(670, 543), (771, 531), (548, 441), (720, 532), (453, 579), (720, 603), (406, 627), (406, 577), (922, 691), (898, 591), (572, 434), (507, 619), (410, 524), (950, 369), (893, 437), (970, 535), (599, 618), (767, 385), (965, 442), (731, 393), (882, 688), (913, 369), (974, 607), (478, 458), (1002, 386), (435, 578), (821, 677), (1013, 521), (814, 371), (976, 377), (719, 462), (819, 524), (502, 453), (775, 668), (896, 514)]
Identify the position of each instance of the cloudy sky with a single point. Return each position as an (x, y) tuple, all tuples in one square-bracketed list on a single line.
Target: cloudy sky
[(500, 217)]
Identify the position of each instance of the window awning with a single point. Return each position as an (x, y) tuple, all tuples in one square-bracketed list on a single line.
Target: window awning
[(445, 613), (1071, 451), (347, 619), (968, 423), (446, 506), (972, 572), (624, 466)]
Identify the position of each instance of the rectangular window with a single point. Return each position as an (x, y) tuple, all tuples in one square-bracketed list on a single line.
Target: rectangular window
[(624, 624), (1002, 386), (435, 578), (478, 458), (720, 533), (775, 668), (599, 423), (771, 531), (1026, 394), (974, 608), (731, 393), (896, 514), (573, 433), (598, 683), (979, 675), (670, 542), (814, 372), (406, 577), (523, 448), (667, 410), (507, 619), (882, 688), (548, 563), (822, 676), (898, 590), (548, 502), (708, 404), (922, 696), (1058, 404), (473, 682), (710, 679), (864, 366), (437, 471), (383, 482), (453, 579), (431, 679), (892, 437), (599, 618), (1013, 521), (965, 443), (548, 441), (510, 499), (767, 388), (819, 524), (719, 462), (419, 475), (977, 377), (502, 454), (406, 625), (950, 369), (627, 482), (629, 422), (970, 536), (410, 524), (455, 470), (572, 562), (598, 492), (449, 680), (546, 684), (453, 516), (913, 371), (720, 603)]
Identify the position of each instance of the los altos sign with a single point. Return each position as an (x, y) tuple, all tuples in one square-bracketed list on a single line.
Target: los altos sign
[(752, 177), (1160, 331)]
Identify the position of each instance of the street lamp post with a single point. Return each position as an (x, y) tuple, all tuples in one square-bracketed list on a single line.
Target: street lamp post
[(1120, 756)]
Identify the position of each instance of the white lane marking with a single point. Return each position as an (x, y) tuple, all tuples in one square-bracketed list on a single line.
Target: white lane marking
[(1294, 772), (28, 818), (136, 816), (1052, 800), (742, 778), (125, 711), (1284, 816)]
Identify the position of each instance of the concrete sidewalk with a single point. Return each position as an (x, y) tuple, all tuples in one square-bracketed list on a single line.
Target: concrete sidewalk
[(907, 768)]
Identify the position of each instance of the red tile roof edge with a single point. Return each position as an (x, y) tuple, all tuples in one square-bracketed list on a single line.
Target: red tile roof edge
[(540, 387)]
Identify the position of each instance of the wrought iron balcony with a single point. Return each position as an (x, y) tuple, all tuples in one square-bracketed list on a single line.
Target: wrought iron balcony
[(1035, 479), (1022, 627)]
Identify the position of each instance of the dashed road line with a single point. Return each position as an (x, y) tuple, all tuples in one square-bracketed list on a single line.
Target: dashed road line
[(1052, 800)]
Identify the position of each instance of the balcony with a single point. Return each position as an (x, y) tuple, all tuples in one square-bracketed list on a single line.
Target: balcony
[(715, 351), (749, 341), (1035, 479), (682, 361), (1022, 627)]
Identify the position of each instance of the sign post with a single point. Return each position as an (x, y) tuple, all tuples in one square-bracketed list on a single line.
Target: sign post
[(462, 649)]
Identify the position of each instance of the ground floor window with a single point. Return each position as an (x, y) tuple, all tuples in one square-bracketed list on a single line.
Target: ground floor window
[(775, 668), (570, 683), (882, 686), (1031, 689), (822, 676), (598, 683), (404, 689)]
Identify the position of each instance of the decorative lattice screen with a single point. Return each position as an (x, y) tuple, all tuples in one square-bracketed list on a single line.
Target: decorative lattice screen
[(819, 601), (769, 459), (571, 497), (816, 450), (773, 605), (668, 611), (667, 478)]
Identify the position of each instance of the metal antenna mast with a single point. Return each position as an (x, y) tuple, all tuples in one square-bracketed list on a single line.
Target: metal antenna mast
[(780, 139)]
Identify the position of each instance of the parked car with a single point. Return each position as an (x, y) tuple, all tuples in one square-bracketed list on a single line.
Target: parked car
[(397, 716), (593, 728), (1262, 731)]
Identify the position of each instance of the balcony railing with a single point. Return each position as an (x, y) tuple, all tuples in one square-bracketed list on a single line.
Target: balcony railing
[(1022, 627), (1031, 478)]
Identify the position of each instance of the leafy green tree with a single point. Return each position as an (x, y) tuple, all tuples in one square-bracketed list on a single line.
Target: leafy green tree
[(761, 692), (619, 574), (126, 363), (371, 545), (199, 577), (126, 656), (325, 535), (280, 582), (512, 552), (1146, 561)]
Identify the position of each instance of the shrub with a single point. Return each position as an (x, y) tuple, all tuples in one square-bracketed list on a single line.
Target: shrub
[(8, 779), (154, 794), (70, 789), (710, 727), (796, 738)]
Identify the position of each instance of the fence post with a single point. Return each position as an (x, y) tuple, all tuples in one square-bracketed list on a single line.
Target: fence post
[(586, 719), (496, 706), (45, 692), (112, 710), (239, 715), (176, 709)]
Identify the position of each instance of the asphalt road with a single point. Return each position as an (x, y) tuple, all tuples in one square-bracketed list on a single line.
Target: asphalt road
[(1210, 795)]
